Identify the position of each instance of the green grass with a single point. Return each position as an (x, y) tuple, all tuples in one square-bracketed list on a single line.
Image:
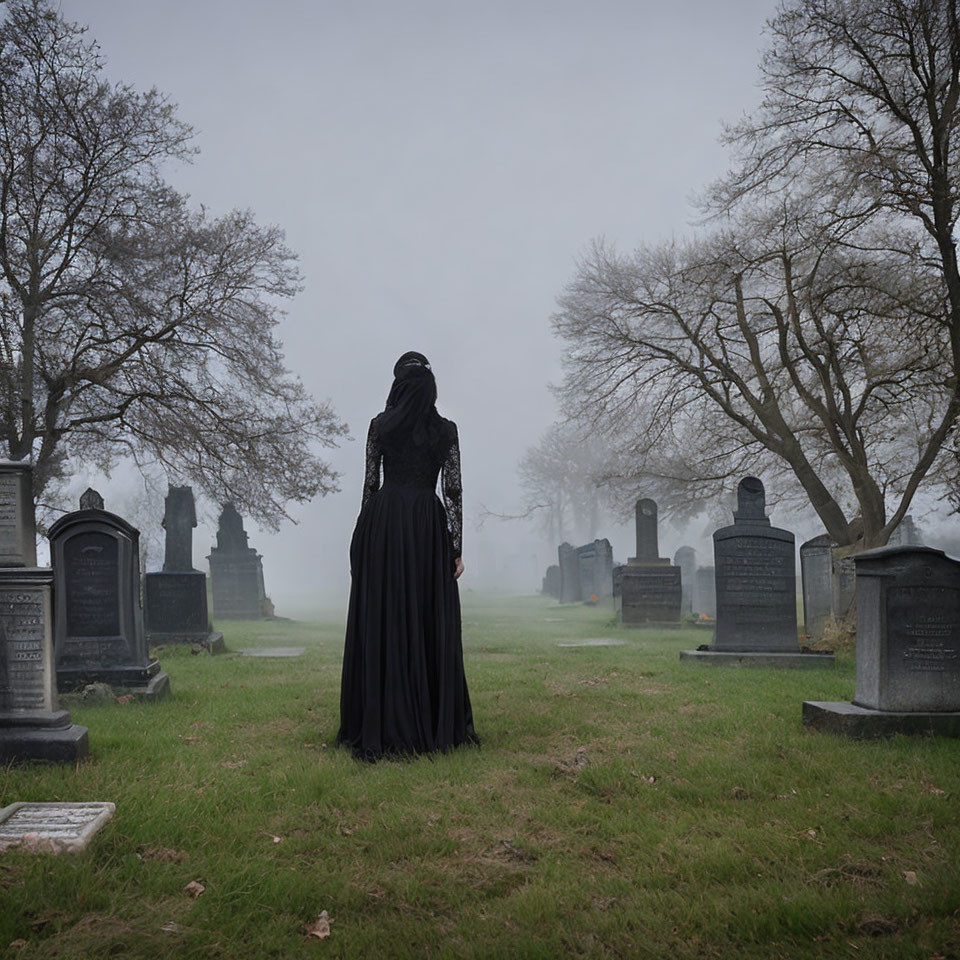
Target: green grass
[(699, 820)]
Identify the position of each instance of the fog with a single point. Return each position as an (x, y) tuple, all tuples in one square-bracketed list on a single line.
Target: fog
[(438, 166)]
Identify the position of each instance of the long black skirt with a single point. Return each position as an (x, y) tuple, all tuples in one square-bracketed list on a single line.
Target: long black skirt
[(403, 689)]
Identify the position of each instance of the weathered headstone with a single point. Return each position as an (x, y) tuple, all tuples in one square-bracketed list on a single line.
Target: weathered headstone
[(32, 725), (649, 586), (686, 559), (99, 635), (756, 591), (236, 572), (905, 534), (707, 591), (52, 827), (175, 598), (908, 648), (569, 564), (596, 570), (551, 582), (816, 572)]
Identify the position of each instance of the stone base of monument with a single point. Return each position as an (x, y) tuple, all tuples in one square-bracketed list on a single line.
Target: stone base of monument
[(793, 660), (863, 723), (145, 683), (175, 610), (44, 735)]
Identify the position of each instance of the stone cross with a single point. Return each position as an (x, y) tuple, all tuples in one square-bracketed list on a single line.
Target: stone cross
[(179, 519)]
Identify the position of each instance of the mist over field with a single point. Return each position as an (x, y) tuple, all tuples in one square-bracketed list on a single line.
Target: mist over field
[(439, 168)]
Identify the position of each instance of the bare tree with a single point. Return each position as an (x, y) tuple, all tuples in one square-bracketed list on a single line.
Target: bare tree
[(778, 349), (132, 325), (560, 479)]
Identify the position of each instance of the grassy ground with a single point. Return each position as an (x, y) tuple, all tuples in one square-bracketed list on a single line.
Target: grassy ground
[(622, 805)]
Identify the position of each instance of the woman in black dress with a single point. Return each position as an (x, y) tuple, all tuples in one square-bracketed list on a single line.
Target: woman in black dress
[(403, 689)]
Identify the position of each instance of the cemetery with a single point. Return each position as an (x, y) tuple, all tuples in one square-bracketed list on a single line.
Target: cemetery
[(666, 666)]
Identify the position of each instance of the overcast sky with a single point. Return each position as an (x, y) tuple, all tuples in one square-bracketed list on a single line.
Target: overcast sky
[(438, 166)]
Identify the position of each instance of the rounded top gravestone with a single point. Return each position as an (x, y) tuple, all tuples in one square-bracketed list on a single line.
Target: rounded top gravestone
[(751, 502)]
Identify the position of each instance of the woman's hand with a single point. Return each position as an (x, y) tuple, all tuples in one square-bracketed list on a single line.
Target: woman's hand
[(457, 568)]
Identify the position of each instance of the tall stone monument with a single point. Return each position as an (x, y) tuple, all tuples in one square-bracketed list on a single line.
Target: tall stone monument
[(32, 725), (648, 586), (98, 627), (686, 559), (756, 591), (908, 648), (236, 572), (176, 597)]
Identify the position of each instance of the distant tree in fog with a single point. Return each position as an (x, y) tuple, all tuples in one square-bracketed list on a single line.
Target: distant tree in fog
[(133, 325), (813, 337), (559, 476)]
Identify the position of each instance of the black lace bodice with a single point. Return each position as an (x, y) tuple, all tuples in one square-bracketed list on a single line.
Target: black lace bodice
[(410, 465)]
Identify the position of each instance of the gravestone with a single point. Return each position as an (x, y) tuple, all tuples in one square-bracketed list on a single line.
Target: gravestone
[(756, 591), (175, 598), (98, 622), (569, 574), (707, 591), (32, 725), (551, 582), (908, 648), (905, 534), (649, 586), (236, 572), (595, 562), (686, 559), (52, 827), (816, 572)]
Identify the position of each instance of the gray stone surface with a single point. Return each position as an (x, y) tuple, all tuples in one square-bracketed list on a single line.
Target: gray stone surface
[(816, 574), (569, 564), (686, 559), (707, 591), (647, 590), (99, 635), (179, 519), (908, 630), (862, 723), (32, 724), (594, 642), (284, 652), (551, 582), (756, 580), (18, 541), (788, 661), (52, 827), (595, 563), (236, 572)]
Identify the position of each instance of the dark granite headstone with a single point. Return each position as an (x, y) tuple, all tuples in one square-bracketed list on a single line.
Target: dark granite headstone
[(175, 598), (648, 588), (816, 571), (707, 591), (99, 635), (908, 647), (569, 574), (551, 582), (756, 579), (686, 559), (236, 572), (32, 725), (595, 562)]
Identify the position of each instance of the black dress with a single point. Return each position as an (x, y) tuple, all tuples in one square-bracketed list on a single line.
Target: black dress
[(403, 689)]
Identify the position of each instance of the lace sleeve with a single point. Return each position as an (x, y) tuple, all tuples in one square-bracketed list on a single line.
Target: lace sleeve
[(371, 478), (452, 487)]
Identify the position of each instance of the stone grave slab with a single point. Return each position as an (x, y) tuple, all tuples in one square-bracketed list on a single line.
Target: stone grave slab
[(594, 642), (52, 827), (281, 652)]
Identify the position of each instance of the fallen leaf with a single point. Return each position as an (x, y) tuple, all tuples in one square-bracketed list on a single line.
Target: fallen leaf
[(320, 928), (188, 739), (124, 698), (738, 793), (164, 854), (911, 877), (930, 788), (17, 944), (274, 838), (169, 927), (194, 888), (233, 764)]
